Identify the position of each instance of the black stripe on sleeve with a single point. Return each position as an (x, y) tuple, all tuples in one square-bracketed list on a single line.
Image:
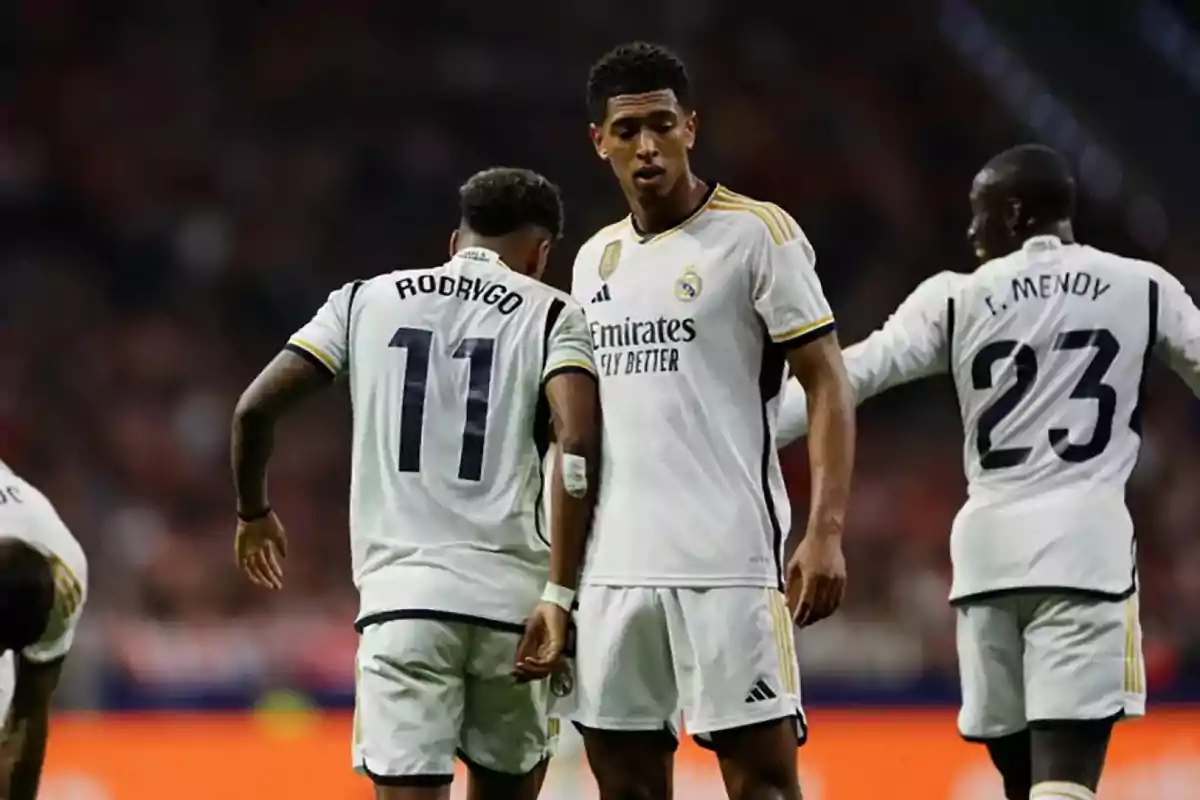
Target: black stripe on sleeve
[(541, 416), (770, 382), (808, 336), (309, 357), (950, 324), (354, 287), (1135, 421), (565, 368)]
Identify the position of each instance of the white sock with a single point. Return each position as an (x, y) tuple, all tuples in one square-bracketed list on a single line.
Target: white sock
[(1061, 790)]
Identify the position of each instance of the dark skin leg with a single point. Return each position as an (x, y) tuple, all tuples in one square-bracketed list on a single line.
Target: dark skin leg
[(486, 784), (1072, 752), (758, 762), (1011, 757), (631, 765), (412, 792)]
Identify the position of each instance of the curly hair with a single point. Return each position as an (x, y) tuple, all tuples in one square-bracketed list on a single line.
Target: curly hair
[(636, 68), (502, 200)]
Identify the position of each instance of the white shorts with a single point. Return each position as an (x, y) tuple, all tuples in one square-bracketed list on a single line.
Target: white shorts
[(1031, 658), (428, 690), (724, 656)]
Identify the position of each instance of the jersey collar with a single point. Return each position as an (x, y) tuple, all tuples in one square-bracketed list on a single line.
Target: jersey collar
[(1037, 244), (482, 255), (705, 202)]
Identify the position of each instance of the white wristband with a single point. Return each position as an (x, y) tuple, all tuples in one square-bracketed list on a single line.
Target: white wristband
[(560, 596)]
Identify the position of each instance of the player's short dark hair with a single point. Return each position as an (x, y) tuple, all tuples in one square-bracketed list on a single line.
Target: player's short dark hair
[(502, 200), (1040, 178), (26, 594), (636, 68)]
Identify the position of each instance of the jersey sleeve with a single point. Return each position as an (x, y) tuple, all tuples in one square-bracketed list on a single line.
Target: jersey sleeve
[(324, 341), (793, 414), (1178, 342), (787, 293), (70, 592), (568, 341), (912, 344)]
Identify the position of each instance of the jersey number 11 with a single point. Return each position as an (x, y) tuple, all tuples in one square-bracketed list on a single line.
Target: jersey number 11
[(478, 353)]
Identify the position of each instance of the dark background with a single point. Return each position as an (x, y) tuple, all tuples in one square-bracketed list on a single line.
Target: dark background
[(182, 183)]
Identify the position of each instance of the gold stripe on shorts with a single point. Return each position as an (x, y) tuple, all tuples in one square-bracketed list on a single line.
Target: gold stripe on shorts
[(785, 646)]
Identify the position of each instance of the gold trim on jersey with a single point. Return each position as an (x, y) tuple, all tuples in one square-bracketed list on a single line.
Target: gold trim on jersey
[(609, 259), (572, 363), (314, 351), (785, 643), (782, 227), (67, 588), (803, 329), (676, 228)]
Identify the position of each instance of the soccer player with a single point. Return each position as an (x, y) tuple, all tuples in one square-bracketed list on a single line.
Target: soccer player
[(699, 301), (1047, 342), (455, 374), (43, 585)]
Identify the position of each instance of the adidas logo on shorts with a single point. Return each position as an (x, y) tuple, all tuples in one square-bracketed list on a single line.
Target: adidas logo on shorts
[(760, 691), (602, 295)]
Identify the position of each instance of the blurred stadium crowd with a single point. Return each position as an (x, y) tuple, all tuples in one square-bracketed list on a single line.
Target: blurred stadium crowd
[(182, 183)]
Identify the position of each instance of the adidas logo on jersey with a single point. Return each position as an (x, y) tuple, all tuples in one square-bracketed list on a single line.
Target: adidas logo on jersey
[(602, 295), (760, 691)]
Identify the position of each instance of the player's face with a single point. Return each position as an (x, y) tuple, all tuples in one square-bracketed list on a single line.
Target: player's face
[(993, 218), (646, 138)]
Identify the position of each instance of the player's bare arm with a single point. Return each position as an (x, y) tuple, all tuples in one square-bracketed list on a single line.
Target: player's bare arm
[(260, 542), (817, 571), (575, 414), (28, 727)]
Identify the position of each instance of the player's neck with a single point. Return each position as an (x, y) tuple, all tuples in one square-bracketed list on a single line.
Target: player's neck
[(653, 215)]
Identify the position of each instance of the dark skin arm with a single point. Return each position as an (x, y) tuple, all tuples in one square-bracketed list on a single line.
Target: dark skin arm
[(817, 572), (286, 381), (29, 720), (261, 543), (574, 403), (575, 413)]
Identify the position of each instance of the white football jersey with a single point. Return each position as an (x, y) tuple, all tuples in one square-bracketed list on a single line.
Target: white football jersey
[(446, 368), (26, 514), (1048, 348), (690, 328)]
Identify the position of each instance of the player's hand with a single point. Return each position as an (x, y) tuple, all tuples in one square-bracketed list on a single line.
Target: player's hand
[(260, 547), (816, 578), (541, 648)]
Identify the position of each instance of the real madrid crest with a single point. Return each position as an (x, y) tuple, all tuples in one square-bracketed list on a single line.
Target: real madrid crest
[(689, 286), (609, 259)]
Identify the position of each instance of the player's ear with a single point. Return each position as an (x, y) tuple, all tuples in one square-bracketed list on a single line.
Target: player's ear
[(543, 258), (1012, 214), (690, 123), (453, 242), (596, 133)]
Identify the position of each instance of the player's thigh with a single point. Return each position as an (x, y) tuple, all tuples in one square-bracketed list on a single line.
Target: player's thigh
[(1083, 660), (505, 723), (991, 669), (623, 675), (409, 701)]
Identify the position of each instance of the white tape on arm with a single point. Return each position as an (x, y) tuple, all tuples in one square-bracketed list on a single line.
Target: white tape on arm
[(560, 596), (574, 474)]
